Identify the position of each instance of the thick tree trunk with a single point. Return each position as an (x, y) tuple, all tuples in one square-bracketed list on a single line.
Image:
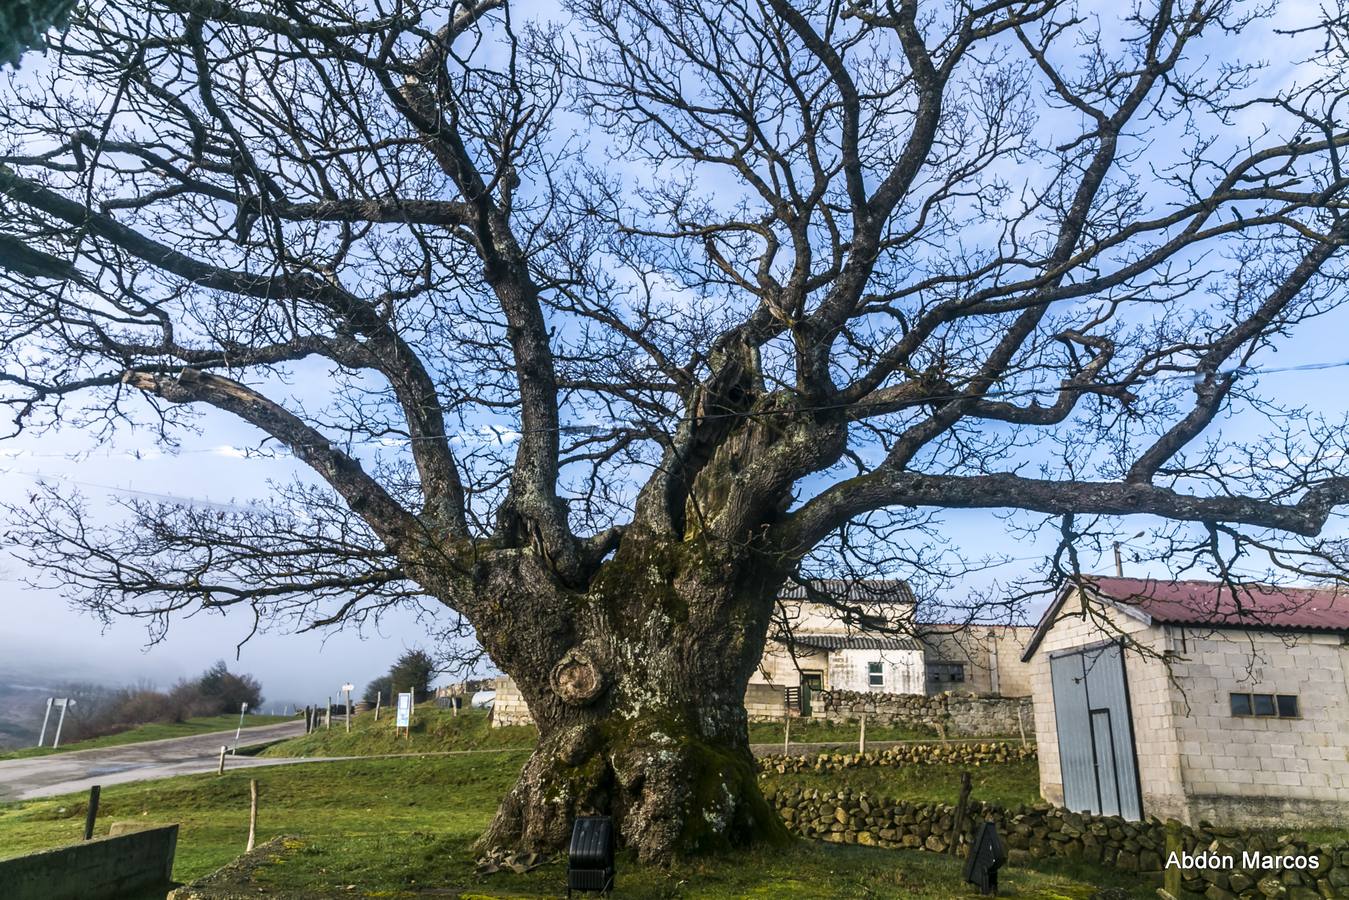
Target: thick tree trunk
[(637, 686)]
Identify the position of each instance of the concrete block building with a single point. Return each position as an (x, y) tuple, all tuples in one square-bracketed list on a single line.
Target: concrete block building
[(983, 659), (1194, 700)]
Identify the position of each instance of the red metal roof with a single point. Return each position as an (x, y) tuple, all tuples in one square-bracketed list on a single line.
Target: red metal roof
[(1218, 605)]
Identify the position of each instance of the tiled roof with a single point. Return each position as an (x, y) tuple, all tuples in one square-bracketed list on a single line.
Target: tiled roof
[(870, 590), (855, 642), (1212, 604), (1218, 605)]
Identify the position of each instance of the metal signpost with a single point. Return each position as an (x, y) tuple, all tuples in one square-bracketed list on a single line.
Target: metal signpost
[(347, 689), (243, 708), (45, 716), (65, 703)]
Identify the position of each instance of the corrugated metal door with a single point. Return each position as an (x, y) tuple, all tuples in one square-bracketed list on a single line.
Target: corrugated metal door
[(1096, 741)]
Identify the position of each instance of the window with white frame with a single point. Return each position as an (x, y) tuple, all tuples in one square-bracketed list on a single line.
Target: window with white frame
[(876, 675)]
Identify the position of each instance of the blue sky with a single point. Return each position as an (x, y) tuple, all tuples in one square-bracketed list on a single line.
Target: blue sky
[(210, 468)]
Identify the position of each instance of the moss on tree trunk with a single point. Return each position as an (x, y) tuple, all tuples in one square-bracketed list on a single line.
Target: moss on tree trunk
[(638, 694)]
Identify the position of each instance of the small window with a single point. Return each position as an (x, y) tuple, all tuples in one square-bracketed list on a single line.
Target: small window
[(1265, 706), (939, 672), (876, 674)]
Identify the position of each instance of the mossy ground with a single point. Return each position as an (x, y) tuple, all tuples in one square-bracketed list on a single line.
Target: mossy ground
[(403, 827), (154, 731)]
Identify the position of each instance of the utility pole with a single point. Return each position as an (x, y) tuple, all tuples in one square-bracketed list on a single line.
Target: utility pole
[(1119, 560)]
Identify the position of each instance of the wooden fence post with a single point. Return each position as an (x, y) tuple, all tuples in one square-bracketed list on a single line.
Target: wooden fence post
[(1171, 886), (221, 770), (252, 813), (862, 735), (958, 828), (379, 695)]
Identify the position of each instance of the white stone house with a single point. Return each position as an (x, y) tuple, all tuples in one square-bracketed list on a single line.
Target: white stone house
[(1194, 700), (813, 643)]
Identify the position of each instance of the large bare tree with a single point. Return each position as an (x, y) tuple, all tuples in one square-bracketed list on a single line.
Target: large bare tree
[(722, 283)]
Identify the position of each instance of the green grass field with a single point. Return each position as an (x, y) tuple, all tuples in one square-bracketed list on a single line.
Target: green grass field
[(1007, 784), (154, 731), (403, 827), (438, 730), (433, 731)]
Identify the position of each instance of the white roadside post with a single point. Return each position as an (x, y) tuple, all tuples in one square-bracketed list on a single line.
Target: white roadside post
[(379, 695), (243, 708), (347, 689), (45, 716), (65, 704)]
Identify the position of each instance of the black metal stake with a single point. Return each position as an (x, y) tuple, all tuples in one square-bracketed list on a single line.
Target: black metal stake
[(91, 813)]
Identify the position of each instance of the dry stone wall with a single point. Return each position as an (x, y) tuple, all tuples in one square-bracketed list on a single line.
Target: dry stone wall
[(954, 714), (902, 755), (1042, 831)]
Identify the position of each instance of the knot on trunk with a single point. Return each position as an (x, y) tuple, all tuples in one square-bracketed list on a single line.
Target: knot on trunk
[(577, 678), (576, 745)]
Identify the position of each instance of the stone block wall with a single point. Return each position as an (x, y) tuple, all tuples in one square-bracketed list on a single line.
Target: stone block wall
[(1258, 769), (509, 706), (953, 714), (991, 655), (764, 701), (1037, 832)]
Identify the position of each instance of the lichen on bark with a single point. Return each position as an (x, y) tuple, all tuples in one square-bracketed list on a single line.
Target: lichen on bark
[(639, 708)]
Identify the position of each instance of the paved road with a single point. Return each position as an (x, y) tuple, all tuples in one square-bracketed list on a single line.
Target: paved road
[(62, 773)]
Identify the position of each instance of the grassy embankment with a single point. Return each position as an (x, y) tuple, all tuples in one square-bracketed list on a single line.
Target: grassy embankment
[(154, 731), (438, 730), (400, 827)]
